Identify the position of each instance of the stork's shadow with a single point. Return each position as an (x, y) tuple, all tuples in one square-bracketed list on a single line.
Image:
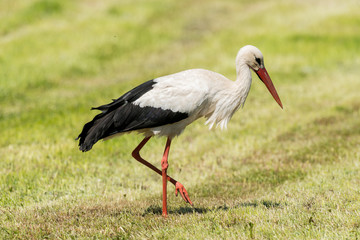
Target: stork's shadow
[(157, 210)]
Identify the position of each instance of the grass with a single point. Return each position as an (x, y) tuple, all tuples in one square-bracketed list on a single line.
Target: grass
[(275, 174)]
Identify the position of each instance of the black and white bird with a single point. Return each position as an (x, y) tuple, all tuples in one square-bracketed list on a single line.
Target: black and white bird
[(166, 105)]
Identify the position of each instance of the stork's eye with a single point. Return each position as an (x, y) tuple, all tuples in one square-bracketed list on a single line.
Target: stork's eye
[(258, 60)]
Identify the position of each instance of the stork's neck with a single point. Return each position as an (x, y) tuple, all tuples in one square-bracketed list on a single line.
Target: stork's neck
[(243, 80)]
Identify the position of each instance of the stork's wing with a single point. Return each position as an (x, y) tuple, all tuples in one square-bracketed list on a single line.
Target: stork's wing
[(181, 92), (122, 115)]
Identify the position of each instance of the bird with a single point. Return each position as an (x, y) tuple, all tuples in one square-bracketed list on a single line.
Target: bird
[(164, 106)]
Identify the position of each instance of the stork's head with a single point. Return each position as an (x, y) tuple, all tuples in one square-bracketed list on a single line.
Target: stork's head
[(252, 57)]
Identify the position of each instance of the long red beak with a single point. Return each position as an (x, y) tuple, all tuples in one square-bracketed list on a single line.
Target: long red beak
[(265, 78)]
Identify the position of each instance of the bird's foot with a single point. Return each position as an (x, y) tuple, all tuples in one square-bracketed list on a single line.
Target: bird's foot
[(179, 187)]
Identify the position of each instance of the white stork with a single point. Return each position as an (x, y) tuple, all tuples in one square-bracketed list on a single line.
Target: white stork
[(164, 106)]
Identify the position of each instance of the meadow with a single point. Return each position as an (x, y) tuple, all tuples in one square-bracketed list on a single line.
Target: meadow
[(274, 174)]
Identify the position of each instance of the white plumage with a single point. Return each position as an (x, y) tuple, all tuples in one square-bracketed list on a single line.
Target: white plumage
[(197, 92), (166, 105)]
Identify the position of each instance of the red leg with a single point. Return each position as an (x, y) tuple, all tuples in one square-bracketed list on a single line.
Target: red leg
[(178, 186), (164, 167)]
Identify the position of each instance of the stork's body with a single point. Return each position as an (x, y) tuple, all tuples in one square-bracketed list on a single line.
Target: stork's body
[(166, 105)]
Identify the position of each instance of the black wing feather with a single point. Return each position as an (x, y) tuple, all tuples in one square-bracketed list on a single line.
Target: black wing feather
[(130, 96), (122, 115)]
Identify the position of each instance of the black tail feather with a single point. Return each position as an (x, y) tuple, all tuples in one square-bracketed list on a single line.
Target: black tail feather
[(94, 130), (125, 118), (87, 138)]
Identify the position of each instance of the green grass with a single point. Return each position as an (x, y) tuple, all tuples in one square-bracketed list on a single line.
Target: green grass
[(274, 174)]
